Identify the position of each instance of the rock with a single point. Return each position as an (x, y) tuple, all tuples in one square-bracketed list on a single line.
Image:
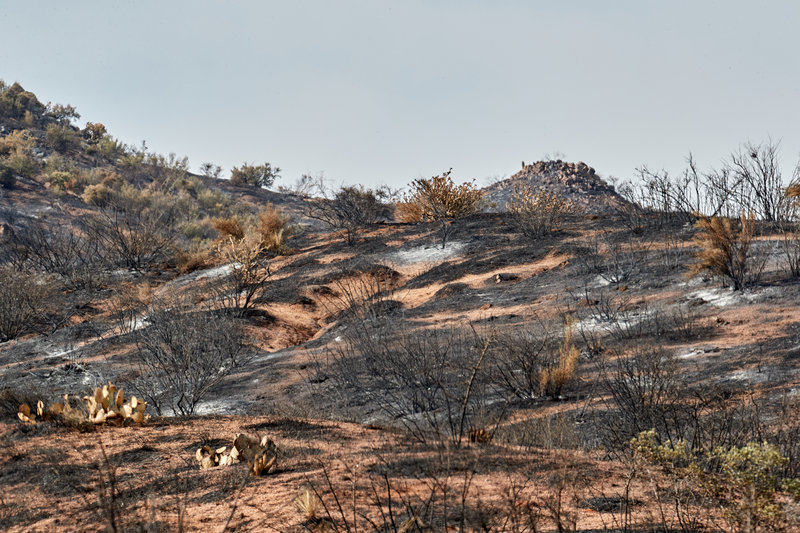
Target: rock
[(576, 182), (503, 277)]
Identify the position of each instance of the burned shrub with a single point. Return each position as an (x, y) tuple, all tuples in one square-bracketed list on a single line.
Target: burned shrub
[(24, 298), (182, 354), (432, 382), (351, 209)]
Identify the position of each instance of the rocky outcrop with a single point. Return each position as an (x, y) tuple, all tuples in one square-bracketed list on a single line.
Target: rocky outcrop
[(576, 182)]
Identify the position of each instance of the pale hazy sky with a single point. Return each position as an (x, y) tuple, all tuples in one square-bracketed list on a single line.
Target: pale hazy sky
[(386, 91)]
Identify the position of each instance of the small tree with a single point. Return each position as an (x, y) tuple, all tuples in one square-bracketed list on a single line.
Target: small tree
[(255, 175), (725, 249), (64, 114), (441, 200), (757, 168)]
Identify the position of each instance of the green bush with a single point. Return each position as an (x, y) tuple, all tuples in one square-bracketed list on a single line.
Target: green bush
[(94, 132), (18, 141), (60, 137), (64, 114), (746, 481), (255, 175), (60, 180), (108, 148), (17, 148), (22, 164), (216, 202), (15, 102), (197, 230)]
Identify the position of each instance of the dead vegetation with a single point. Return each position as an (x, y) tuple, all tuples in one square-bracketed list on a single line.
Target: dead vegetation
[(546, 371)]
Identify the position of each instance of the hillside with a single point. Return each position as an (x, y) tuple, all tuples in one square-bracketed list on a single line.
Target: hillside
[(491, 384)]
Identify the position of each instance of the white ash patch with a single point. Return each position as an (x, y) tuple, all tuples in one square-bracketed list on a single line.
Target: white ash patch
[(717, 297), (218, 272), (748, 376), (220, 407), (600, 281), (64, 353), (695, 282), (723, 297), (593, 324), (707, 351), (211, 273), (691, 354), (427, 254)]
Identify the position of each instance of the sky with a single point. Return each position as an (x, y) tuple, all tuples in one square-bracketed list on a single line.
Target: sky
[(382, 92)]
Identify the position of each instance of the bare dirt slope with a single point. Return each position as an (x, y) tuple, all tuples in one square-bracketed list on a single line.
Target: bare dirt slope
[(487, 279)]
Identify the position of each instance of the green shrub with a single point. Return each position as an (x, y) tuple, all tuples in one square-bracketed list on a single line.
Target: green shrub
[(64, 114), (60, 180), (197, 230), (22, 164), (18, 141), (15, 102), (17, 147), (108, 148), (60, 137), (215, 201), (255, 175), (746, 482)]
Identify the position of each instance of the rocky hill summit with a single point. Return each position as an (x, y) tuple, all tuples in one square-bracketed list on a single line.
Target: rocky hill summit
[(576, 182)]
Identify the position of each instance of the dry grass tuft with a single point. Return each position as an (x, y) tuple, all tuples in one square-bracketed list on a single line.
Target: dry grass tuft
[(229, 228), (725, 249), (273, 229), (309, 505)]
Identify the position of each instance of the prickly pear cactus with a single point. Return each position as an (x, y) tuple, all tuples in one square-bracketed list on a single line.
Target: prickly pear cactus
[(260, 454), (108, 405)]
